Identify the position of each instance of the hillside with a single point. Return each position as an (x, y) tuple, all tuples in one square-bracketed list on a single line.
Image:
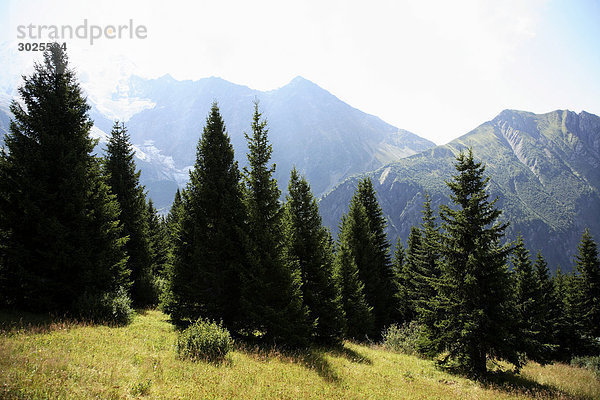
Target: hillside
[(76, 361), (544, 170)]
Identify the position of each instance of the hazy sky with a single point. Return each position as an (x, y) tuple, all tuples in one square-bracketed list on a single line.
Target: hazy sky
[(436, 68)]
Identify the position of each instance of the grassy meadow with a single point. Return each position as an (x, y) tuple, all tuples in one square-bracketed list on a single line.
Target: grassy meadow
[(40, 359)]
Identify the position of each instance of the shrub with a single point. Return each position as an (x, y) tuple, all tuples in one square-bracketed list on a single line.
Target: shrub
[(404, 338), (204, 340), (141, 388), (590, 362), (111, 308)]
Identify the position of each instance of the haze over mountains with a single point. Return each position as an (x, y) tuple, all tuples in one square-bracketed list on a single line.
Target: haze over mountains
[(544, 169)]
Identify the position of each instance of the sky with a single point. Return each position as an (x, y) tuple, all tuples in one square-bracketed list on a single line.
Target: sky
[(435, 68)]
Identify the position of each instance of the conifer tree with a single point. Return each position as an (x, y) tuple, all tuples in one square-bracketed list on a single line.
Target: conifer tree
[(410, 271), (474, 298), (545, 317), (62, 239), (586, 286), (426, 268), (564, 330), (172, 235), (528, 301), (158, 242), (359, 315), (307, 244), (361, 243), (173, 219), (272, 294), (124, 182), (210, 250), (378, 275), (399, 257), (399, 264)]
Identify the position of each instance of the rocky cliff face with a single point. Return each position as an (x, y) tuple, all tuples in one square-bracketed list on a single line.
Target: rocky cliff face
[(543, 168)]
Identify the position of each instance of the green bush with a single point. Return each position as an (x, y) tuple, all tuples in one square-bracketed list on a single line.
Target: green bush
[(592, 363), (404, 338), (110, 308), (204, 340)]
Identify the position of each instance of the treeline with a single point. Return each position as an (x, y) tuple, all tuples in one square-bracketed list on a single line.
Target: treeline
[(79, 237)]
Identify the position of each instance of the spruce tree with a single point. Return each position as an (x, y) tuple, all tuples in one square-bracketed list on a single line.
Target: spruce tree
[(172, 235), (359, 315), (124, 182), (474, 300), (528, 302), (307, 244), (272, 294), (586, 286), (361, 243), (158, 240), (173, 219), (410, 272), (210, 254), (399, 264), (62, 240), (426, 268), (545, 314), (564, 329), (378, 275)]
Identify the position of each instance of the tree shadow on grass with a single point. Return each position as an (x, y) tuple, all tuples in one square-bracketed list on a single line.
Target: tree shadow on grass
[(350, 355), (511, 383), (13, 322), (313, 358)]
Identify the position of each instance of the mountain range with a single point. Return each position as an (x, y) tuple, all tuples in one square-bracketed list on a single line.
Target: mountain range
[(325, 138), (544, 170)]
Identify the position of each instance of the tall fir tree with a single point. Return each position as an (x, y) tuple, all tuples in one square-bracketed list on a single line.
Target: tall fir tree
[(62, 239), (399, 264), (361, 243), (586, 292), (474, 298), (565, 331), (172, 235), (546, 316), (124, 182), (358, 312), (210, 251), (410, 272), (307, 244), (272, 294), (158, 240), (426, 267), (173, 219), (528, 302), (378, 275)]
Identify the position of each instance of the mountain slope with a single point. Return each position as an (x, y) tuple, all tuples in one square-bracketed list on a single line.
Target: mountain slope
[(310, 128), (544, 170)]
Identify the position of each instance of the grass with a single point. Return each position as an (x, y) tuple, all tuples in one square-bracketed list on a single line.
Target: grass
[(45, 359)]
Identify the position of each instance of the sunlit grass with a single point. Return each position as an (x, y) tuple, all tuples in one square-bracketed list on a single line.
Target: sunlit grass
[(70, 360)]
